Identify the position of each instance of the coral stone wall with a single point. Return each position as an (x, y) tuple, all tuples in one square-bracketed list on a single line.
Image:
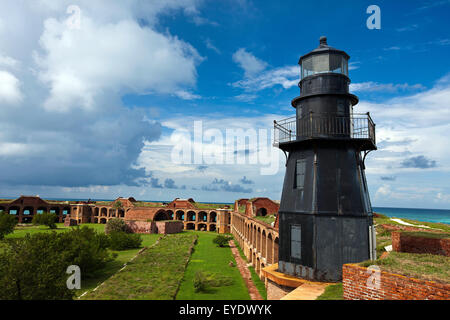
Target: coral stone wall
[(414, 244), (389, 286), (141, 226), (141, 213), (169, 227), (162, 227)]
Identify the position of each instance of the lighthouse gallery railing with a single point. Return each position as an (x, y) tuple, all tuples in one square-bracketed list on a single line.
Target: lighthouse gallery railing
[(319, 125)]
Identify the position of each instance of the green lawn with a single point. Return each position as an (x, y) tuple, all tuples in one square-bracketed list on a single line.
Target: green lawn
[(153, 275), (332, 292), (207, 257), (110, 269), (266, 219), (421, 266)]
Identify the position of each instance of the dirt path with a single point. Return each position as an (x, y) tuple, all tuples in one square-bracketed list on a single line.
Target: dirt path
[(245, 273)]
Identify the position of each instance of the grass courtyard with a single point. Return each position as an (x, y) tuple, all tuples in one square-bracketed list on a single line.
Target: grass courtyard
[(154, 275), (160, 272), (111, 268), (208, 257)]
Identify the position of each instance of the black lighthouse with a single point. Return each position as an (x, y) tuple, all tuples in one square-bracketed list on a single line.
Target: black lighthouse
[(325, 215)]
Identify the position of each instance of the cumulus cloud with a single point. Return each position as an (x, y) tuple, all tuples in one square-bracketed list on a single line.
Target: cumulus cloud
[(388, 178), (78, 65), (371, 86), (286, 77), (248, 62), (9, 88), (420, 162), (226, 186), (74, 130), (244, 180)]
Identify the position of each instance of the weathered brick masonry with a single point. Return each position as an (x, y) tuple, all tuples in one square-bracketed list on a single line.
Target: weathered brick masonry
[(162, 227), (391, 286), (402, 242)]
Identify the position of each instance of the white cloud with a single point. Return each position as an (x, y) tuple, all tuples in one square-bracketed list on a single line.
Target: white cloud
[(248, 62), (186, 95), (6, 61), (78, 65), (411, 126), (287, 77), (9, 88), (390, 87)]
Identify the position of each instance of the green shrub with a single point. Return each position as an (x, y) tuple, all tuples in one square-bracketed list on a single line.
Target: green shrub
[(200, 282), (221, 240), (46, 219), (7, 224), (116, 225), (34, 268), (87, 249), (119, 240)]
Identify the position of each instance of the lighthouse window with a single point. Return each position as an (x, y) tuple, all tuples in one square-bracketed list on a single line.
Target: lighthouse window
[(300, 173), (296, 241)]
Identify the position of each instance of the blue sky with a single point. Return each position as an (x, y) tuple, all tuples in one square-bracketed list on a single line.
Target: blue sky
[(94, 107)]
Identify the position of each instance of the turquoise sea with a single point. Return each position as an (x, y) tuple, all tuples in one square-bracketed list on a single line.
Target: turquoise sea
[(429, 215)]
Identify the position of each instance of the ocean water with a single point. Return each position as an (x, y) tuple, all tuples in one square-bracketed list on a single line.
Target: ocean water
[(428, 215)]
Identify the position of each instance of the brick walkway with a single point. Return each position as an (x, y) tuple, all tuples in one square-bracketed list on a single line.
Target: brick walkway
[(245, 273)]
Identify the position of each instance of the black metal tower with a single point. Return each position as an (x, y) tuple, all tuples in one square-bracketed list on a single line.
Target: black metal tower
[(325, 216)]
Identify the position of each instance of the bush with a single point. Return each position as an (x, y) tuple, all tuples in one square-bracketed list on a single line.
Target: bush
[(7, 224), (221, 240), (116, 225), (119, 240), (87, 249), (34, 268), (200, 282), (46, 219)]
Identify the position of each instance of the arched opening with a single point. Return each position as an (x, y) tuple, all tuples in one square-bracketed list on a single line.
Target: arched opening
[(121, 213), (102, 220), (190, 226), (96, 212), (66, 211), (14, 210), (212, 216), (263, 244), (269, 249), (170, 214), (41, 210), (261, 212), (54, 210), (257, 267), (27, 216), (2, 209), (201, 227), (112, 213), (95, 220), (191, 216), (212, 227), (179, 215), (160, 216), (103, 212), (275, 249), (258, 240), (202, 216)]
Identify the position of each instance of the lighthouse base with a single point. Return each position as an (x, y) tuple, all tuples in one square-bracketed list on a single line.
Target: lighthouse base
[(315, 247)]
